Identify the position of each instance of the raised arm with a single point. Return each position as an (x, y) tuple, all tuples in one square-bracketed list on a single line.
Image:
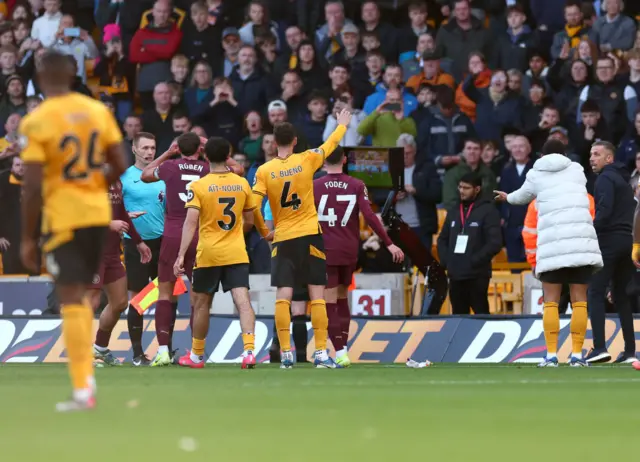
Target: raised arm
[(149, 172), (343, 119)]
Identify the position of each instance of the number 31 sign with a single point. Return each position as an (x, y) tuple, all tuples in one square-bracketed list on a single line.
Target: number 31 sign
[(371, 302)]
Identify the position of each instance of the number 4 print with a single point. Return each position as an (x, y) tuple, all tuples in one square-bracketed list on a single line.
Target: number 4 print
[(285, 202)]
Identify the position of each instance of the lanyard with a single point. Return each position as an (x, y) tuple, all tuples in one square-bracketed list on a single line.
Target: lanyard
[(464, 218)]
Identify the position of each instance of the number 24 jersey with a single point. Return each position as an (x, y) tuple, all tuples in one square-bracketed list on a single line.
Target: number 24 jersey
[(69, 136)]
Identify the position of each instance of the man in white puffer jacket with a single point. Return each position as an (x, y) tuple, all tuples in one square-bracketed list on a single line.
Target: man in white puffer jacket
[(568, 251)]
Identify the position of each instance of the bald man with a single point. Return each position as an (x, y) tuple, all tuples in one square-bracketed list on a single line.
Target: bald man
[(159, 120)]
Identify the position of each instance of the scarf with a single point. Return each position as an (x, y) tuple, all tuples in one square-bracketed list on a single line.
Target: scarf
[(13, 179), (574, 34)]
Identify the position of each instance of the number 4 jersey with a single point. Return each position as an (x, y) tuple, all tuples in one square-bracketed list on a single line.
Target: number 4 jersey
[(288, 184), (69, 135), (340, 199), (178, 174)]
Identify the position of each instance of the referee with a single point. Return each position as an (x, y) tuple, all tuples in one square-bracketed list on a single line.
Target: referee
[(615, 207), (145, 203)]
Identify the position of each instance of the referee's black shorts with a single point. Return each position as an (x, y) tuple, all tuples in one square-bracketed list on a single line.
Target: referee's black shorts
[(138, 274)]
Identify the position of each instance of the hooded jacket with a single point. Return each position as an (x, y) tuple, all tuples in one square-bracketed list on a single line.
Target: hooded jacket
[(482, 226), (615, 204), (566, 234), (530, 230)]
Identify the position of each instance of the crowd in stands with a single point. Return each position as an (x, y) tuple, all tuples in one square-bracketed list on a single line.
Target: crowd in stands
[(462, 85)]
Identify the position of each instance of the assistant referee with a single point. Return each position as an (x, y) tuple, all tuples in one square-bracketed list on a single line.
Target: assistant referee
[(146, 199)]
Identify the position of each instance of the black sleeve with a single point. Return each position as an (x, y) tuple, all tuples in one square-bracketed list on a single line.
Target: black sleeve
[(492, 236), (429, 186), (443, 240), (604, 198)]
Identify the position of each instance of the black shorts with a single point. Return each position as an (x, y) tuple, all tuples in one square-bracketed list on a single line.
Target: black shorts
[(207, 280), (77, 258), (138, 274), (299, 262), (577, 275)]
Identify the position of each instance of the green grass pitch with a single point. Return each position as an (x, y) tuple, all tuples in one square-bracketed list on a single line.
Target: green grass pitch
[(366, 413)]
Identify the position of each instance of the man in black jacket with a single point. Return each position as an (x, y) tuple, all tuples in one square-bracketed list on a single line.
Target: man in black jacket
[(615, 207), (422, 192), (10, 227), (471, 236)]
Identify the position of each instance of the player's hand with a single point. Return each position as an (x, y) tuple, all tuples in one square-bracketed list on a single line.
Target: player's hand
[(409, 189), (635, 255), (401, 195), (119, 226), (178, 267), (269, 237), (396, 253), (145, 253), (4, 244), (501, 196), (344, 118), (134, 215), (29, 255)]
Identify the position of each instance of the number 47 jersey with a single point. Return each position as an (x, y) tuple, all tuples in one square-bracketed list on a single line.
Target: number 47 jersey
[(340, 199), (178, 174)]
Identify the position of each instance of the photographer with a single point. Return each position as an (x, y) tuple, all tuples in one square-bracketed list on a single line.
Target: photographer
[(222, 116), (113, 70), (76, 42), (388, 121)]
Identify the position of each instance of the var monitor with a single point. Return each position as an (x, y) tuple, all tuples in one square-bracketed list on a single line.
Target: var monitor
[(378, 168)]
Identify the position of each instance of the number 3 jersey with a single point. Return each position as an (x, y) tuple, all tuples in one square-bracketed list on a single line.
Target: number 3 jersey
[(340, 199), (178, 174), (69, 136), (221, 199)]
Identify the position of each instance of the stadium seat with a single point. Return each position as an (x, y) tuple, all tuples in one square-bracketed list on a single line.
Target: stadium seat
[(506, 288)]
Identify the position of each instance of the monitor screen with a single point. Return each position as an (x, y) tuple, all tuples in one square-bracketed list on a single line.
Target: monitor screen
[(378, 168)]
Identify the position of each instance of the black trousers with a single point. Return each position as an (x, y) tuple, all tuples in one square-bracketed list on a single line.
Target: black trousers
[(469, 293), (618, 271)]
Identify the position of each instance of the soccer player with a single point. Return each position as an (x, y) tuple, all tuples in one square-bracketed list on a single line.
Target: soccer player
[(112, 277), (298, 257), (339, 199), (65, 144), (222, 203), (178, 174), (146, 201)]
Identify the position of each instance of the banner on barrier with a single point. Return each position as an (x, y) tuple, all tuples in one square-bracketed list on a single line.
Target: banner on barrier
[(451, 340)]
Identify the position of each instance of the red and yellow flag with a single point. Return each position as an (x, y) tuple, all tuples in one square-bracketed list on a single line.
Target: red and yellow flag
[(149, 295)]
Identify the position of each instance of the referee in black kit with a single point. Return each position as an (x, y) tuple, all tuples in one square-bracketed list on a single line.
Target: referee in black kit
[(615, 207)]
